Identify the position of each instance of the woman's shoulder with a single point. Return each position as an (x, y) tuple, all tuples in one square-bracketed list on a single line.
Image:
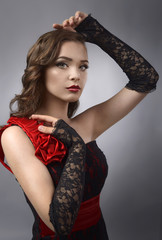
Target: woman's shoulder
[(15, 146), (14, 138), (21, 138), (18, 125), (11, 133), (84, 126)]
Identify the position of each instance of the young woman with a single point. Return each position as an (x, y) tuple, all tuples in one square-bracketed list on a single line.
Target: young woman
[(53, 155)]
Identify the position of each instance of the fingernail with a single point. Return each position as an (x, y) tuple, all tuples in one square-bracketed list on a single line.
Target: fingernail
[(40, 128)]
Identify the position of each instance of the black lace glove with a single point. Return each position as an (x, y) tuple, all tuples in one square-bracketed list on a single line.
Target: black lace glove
[(69, 191), (141, 74)]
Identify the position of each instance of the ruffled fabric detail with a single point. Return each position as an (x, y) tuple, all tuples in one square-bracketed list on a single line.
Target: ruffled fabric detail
[(47, 147), (1, 150)]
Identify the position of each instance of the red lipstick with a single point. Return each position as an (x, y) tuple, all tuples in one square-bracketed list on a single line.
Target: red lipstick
[(74, 88)]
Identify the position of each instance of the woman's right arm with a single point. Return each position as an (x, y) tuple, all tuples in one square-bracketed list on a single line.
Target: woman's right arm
[(59, 207), (31, 173)]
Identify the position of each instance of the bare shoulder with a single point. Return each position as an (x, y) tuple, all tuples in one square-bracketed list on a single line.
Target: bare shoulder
[(15, 142), (14, 135), (11, 132), (83, 124)]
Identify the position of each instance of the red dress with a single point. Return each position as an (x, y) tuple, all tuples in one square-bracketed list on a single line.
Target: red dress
[(52, 152)]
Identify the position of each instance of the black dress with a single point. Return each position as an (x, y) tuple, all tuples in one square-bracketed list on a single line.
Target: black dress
[(96, 170)]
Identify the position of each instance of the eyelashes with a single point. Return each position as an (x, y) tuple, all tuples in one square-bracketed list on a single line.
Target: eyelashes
[(61, 65), (84, 66), (64, 65)]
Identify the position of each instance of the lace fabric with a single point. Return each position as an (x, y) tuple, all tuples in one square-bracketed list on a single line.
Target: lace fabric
[(69, 191), (142, 75), (96, 171)]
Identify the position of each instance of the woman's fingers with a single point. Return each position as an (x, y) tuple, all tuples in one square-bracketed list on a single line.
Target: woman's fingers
[(46, 130), (49, 124), (60, 26), (72, 22), (44, 118), (65, 23), (80, 16), (41, 117), (57, 26)]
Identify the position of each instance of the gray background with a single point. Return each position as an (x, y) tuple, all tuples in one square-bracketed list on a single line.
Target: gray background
[(131, 200)]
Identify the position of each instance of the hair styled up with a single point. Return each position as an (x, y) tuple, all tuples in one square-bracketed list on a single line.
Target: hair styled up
[(41, 55)]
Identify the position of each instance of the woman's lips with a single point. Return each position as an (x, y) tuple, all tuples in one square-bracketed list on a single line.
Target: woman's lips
[(73, 88)]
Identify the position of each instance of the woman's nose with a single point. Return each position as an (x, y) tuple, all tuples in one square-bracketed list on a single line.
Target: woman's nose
[(74, 75)]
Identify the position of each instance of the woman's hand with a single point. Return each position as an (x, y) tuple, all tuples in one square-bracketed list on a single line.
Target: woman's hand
[(58, 128), (71, 23), (49, 123)]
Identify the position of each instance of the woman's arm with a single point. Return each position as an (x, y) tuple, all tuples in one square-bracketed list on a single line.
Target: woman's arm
[(31, 173), (142, 76), (59, 207), (69, 192)]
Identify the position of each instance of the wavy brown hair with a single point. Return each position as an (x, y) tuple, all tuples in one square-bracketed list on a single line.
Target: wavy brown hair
[(41, 55)]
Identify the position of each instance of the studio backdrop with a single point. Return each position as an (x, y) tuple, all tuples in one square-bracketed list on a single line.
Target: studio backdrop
[(131, 200)]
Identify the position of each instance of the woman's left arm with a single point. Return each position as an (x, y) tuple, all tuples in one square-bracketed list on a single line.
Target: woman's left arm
[(142, 77)]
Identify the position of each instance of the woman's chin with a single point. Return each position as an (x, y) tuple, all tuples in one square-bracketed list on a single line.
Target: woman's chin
[(73, 99)]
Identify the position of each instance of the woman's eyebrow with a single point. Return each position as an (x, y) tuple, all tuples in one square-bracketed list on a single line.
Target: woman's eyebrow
[(70, 59)]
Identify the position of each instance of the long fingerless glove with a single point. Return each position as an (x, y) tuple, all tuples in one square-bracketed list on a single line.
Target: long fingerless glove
[(142, 75), (69, 191)]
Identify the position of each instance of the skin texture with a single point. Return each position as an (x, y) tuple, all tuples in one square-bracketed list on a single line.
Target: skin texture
[(66, 72), (32, 175)]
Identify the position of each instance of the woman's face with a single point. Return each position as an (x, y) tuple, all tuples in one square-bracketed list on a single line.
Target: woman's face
[(66, 79)]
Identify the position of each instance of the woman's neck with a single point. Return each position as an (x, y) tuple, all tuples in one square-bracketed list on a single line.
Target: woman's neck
[(57, 109)]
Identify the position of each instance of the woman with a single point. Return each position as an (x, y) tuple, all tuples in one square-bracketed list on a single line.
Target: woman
[(53, 155)]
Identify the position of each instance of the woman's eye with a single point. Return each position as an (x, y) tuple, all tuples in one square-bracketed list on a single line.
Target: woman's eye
[(61, 65), (84, 67)]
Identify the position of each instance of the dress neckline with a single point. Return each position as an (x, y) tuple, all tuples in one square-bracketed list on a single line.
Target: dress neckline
[(93, 141)]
